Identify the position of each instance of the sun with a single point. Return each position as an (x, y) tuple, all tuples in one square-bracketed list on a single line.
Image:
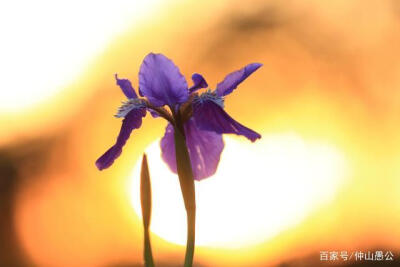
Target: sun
[(258, 191)]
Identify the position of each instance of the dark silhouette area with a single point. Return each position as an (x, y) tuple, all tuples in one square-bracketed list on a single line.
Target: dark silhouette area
[(30, 156), (10, 252)]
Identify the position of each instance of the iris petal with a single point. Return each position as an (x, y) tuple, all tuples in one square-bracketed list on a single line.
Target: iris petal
[(204, 148), (168, 148), (233, 79), (199, 82), (209, 116), (161, 81), (133, 120), (126, 87)]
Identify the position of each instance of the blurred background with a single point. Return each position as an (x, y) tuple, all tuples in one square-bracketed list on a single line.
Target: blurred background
[(324, 177)]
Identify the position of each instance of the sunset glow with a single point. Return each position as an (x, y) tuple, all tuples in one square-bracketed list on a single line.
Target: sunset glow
[(257, 192)]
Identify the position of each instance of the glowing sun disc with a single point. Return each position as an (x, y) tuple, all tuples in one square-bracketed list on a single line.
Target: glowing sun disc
[(258, 191)]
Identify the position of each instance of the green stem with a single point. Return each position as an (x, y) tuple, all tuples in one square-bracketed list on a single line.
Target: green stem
[(188, 191), (191, 233), (148, 256), (145, 198)]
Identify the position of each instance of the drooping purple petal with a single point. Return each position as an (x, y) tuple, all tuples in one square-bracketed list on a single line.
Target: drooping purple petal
[(161, 81), (132, 120), (233, 79), (199, 82), (210, 116), (168, 148), (204, 148), (126, 87)]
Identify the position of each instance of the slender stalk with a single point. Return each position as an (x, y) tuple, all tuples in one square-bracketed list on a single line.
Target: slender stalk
[(148, 256), (145, 198), (191, 233), (188, 190)]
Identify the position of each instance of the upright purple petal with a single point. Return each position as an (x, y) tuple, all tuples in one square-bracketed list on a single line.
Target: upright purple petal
[(126, 87), (233, 79), (161, 81), (199, 82), (132, 120), (204, 148), (210, 116)]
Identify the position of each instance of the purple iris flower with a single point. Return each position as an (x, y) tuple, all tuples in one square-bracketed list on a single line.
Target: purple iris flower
[(202, 115)]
